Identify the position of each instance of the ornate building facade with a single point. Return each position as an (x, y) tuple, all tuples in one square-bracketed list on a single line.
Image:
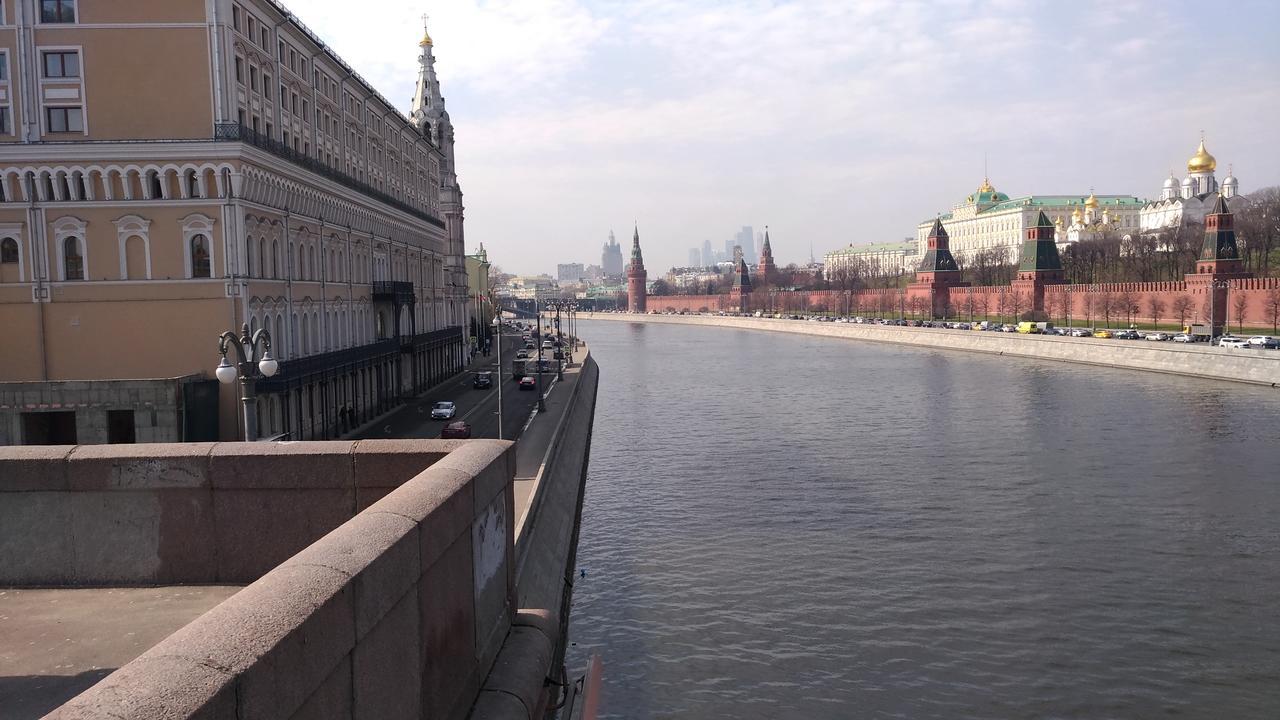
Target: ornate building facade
[(872, 259), (990, 219), (173, 169), (1189, 201)]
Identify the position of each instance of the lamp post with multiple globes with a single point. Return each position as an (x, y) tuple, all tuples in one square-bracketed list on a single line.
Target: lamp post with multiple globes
[(246, 349)]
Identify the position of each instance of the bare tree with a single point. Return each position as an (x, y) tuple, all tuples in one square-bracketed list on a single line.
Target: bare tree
[(1107, 306), (1127, 302), (984, 304), (1155, 308), (1239, 304), (1017, 303), (1271, 306), (1181, 307), (968, 304)]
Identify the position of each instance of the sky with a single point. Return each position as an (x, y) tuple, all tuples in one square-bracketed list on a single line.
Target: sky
[(832, 122)]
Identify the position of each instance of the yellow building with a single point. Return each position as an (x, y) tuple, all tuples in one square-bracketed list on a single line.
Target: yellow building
[(170, 169)]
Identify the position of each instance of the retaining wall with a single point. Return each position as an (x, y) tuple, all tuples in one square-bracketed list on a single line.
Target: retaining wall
[(1249, 366), (399, 612)]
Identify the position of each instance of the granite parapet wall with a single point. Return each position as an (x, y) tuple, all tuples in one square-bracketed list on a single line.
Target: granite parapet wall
[(399, 612)]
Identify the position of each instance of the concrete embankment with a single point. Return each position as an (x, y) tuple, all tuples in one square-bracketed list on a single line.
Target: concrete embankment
[(1257, 367)]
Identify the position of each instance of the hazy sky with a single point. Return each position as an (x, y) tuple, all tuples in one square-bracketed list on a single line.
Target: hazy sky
[(832, 122)]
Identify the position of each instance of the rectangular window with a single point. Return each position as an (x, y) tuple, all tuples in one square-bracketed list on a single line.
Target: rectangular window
[(64, 119), (5, 127), (293, 60), (240, 71), (4, 66), (294, 106), (235, 16), (62, 64), (270, 130), (266, 86), (253, 78), (58, 11), (266, 39)]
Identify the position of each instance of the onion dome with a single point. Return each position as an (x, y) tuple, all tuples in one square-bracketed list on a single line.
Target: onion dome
[(1091, 201), (1076, 215), (1202, 161), (1171, 183)]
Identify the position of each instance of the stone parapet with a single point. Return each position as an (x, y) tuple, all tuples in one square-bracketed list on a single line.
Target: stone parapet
[(398, 612)]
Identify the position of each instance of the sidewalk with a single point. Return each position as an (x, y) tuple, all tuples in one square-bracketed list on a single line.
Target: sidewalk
[(535, 444)]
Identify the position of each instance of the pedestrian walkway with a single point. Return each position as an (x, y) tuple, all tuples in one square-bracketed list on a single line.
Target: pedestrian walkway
[(536, 442)]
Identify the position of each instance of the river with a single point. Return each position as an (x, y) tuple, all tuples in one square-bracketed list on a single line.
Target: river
[(779, 526)]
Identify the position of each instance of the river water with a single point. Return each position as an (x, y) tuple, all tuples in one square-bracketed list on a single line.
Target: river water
[(780, 526)]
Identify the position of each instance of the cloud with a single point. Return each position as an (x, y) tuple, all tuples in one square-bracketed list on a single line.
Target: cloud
[(832, 121)]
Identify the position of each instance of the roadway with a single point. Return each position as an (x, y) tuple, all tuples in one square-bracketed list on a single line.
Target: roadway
[(477, 407)]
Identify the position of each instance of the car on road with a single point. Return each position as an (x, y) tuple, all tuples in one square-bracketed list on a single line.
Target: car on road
[(482, 381), (1184, 338), (456, 430), (1231, 341), (1268, 342), (522, 354), (1128, 335), (528, 383), (1107, 334), (443, 410), (1159, 336), (1080, 332)]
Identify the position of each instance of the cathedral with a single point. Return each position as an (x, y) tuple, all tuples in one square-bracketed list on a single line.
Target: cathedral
[(1188, 202)]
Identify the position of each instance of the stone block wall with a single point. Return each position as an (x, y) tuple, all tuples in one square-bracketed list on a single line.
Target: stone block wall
[(156, 405), (397, 612)]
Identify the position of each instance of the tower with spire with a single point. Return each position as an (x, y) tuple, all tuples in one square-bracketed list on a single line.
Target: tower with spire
[(1219, 262), (432, 120), (637, 293), (741, 290), (1041, 264), (766, 271), (937, 273)]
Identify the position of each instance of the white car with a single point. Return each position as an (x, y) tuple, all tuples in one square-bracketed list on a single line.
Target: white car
[(1269, 342), (1231, 341), (442, 410), (1158, 336), (1184, 338)]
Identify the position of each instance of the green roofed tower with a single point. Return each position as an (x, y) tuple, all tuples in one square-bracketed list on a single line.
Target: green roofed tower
[(1040, 250)]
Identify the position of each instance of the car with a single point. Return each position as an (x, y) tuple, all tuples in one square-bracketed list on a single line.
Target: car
[(1231, 341), (457, 430), (1009, 328), (522, 354), (1159, 336), (1127, 335), (1080, 332), (482, 380), (1267, 342), (442, 410), (1184, 338), (528, 383), (1106, 334)]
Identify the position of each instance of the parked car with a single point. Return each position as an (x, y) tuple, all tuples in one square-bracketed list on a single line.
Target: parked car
[(457, 430), (1268, 342), (1080, 332), (482, 381), (1128, 335), (1231, 341), (1009, 328), (1184, 338), (522, 354), (1159, 336), (1107, 334), (442, 410), (527, 383)]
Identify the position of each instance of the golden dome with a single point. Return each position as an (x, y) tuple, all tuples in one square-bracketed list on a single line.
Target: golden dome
[(1076, 215), (1202, 161), (1091, 201), (426, 39), (986, 186)]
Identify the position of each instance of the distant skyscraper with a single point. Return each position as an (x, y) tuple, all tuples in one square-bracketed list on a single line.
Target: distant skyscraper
[(708, 255), (747, 241), (728, 246), (611, 259), (695, 257), (760, 237)]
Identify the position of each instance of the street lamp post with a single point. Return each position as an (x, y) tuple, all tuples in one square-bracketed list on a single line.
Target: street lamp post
[(497, 322), (246, 350), (537, 323)]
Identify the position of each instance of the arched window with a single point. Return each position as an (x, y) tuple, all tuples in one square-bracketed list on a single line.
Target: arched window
[(72, 259), (199, 256), (153, 181), (193, 186), (8, 251)]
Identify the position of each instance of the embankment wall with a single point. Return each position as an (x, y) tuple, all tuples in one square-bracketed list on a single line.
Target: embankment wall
[(1257, 367)]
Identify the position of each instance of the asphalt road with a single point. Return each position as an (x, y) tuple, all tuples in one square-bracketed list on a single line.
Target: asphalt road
[(478, 407)]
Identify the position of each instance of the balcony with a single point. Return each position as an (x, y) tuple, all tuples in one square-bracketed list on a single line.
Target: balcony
[(228, 132), (399, 292), (299, 371), (433, 339)]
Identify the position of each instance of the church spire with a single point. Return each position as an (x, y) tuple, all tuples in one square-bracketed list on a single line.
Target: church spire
[(428, 104)]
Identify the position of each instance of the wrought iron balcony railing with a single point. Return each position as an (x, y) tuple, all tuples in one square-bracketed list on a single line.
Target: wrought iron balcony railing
[(298, 370), (398, 291), (242, 133)]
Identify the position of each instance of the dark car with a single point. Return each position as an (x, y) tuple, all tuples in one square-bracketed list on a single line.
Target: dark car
[(528, 383), (458, 430), (482, 381)]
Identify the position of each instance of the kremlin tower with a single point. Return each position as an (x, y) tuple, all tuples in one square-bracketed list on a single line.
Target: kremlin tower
[(766, 270), (636, 292)]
